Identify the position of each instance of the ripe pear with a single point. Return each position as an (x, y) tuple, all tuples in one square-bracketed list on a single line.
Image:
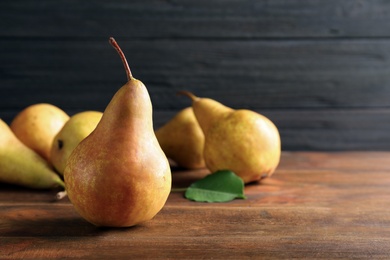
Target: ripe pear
[(78, 127), (242, 140), (22, 166), (182, 140), (119, 176), (36, 126)]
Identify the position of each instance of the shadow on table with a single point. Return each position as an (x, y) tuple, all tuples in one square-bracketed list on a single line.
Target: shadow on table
[(45, 222)]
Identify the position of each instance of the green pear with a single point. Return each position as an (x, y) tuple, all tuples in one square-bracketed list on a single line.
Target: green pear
[(21, 165), (242, 140), (182, 140), (36, 126), (78, 127), (119, 176)]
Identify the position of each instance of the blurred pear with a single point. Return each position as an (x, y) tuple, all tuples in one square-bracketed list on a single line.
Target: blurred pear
[(242, 141), (182, 140), (36, 126), (72, 133), (22, 166)]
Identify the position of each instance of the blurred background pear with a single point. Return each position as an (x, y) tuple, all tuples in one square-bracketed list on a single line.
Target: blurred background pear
[(36, 126), (239, 140), (21, 165), (72, 133), (182, 140)]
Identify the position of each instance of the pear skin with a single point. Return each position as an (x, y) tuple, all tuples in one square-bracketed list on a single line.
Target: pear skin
[(119, 176), (182, 140), (36, 126), (214, 110), (242, 141), (72, 133), (22, 166)]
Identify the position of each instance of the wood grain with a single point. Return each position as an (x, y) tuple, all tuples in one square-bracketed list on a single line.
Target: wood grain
[(265, 74), (185, 19), (316, 205), (340, 103), (316, 62)]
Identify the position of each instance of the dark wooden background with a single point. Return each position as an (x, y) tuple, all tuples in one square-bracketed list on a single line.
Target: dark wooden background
[(320, 69)]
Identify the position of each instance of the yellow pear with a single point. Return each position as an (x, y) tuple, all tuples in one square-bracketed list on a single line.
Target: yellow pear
[(22, 166), (36, 126), (242, 141), (182, 140), (72, 133), (118, 175)]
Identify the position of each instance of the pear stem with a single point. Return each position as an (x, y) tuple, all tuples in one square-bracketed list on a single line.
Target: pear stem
[(123, 57), (188, 94)]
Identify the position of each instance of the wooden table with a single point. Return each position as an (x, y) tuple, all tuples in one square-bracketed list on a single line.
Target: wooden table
[(316, 205)]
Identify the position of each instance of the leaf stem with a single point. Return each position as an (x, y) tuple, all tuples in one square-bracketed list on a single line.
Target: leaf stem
[(178, 189)]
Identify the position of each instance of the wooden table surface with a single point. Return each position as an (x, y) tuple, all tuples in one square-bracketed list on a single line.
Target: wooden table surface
[(316, 205)]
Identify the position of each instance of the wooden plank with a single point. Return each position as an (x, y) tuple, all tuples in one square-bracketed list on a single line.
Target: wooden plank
[(321, 130), (316, 205), (288, 57), (184, 19), (333, 129), (272, 232), (254, 74)]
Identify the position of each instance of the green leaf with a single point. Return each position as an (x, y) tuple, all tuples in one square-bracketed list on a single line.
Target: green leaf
[(220, 186)]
